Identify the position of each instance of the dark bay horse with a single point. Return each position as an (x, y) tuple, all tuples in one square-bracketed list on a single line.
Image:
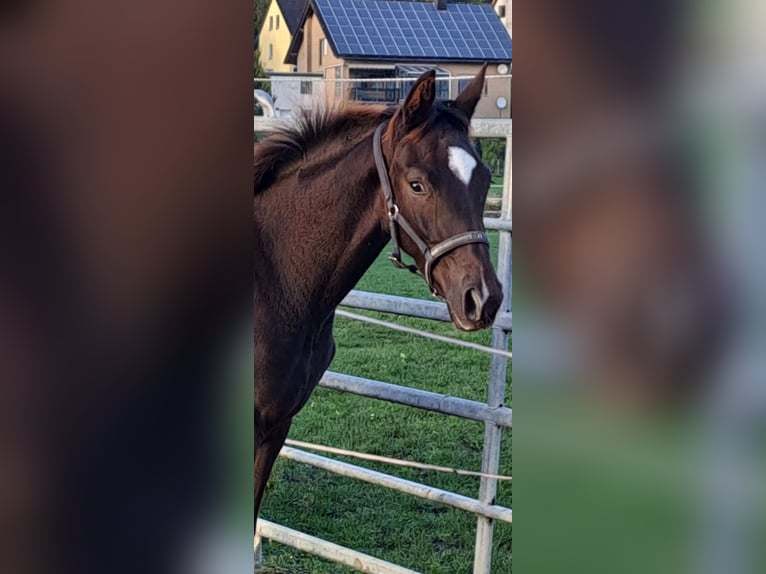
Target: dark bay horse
[(329, 193)]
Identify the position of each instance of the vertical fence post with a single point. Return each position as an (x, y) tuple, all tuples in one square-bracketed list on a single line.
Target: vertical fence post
[(258, 552), (497, 383)]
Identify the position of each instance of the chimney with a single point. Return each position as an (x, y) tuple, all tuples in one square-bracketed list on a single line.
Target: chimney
[(440, 4)]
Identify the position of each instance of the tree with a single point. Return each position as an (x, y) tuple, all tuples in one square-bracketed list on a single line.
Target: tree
[(260, 7), (259, 75), (493, 153)]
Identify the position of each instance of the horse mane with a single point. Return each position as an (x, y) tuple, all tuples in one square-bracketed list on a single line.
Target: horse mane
[(288, 144)]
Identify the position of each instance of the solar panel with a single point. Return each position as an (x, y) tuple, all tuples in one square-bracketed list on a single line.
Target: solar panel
[(386, 29)]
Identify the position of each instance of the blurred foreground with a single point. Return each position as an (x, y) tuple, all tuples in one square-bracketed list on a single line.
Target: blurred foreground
[(639, 316), (125, 281)]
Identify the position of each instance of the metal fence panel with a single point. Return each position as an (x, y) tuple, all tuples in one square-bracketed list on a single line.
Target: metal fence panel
[(494, 414)]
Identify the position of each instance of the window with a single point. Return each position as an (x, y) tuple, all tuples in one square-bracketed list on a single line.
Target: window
[(371, 85), (271, 51), (442, 88), (271, 22), (337, 84), (306, 87), (322, 49), (277, 26), (501, 11), (463, 84)]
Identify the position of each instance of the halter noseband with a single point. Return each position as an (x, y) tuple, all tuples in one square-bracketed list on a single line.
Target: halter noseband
[(430, 254)]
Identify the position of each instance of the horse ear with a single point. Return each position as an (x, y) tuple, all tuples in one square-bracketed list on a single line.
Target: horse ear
[(417, 107), (467, 99)]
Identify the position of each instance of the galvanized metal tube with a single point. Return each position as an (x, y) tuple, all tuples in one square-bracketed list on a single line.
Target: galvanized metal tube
[(425, 400), (395, 483), (499, 223), (422, 333), (327, 550), (258, 550), (410, 307), (480, 127), (397, 305), (497, 387)]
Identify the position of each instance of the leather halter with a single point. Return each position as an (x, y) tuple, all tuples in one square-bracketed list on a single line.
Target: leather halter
[(396, 220)]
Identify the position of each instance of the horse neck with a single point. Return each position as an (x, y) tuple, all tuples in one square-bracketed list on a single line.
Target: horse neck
[(325, 224)]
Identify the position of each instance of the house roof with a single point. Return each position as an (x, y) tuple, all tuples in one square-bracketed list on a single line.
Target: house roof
[(292, 10), (400, 30)]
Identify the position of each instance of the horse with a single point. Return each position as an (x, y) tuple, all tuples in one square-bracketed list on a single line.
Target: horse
[(330, 191)]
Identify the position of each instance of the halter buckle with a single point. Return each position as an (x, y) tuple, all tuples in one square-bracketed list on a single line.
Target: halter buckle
[(397, 261)]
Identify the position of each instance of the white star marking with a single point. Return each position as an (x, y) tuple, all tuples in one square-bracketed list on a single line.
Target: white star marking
[(461, 163)]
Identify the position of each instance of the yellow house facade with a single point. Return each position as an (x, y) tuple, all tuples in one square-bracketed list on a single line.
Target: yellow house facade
[(276, 33)]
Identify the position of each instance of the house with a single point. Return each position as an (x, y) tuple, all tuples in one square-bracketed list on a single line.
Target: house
[(279, 25), (505, 12), (375, 49)]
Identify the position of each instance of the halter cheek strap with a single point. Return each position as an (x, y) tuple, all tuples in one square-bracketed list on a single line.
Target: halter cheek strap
[(431, 255)]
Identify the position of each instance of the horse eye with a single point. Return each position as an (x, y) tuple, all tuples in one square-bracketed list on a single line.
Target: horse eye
[(416, 186)]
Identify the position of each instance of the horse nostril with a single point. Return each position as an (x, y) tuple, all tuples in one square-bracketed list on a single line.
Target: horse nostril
[(473, 304)]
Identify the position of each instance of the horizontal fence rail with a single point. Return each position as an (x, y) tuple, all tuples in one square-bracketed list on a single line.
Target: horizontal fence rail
[(424, 334), (291, 91), (426, 400), (410, 307), (327, 550), (392, 79), (395, 483), (480, 127), (498, 223)]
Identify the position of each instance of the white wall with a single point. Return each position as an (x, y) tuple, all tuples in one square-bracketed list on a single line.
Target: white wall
[(508, 14), (287, 96)]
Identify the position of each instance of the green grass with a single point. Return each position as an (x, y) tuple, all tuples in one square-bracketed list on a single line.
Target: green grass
[(396, 527)]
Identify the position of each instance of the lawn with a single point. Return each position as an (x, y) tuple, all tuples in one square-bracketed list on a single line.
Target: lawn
[(396, 527)]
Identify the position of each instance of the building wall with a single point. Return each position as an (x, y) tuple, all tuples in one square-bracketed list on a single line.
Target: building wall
[(507, 19), (308, 56), (291, 92), (308, 62), (495, 88), (278, 38), (487, 106)]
